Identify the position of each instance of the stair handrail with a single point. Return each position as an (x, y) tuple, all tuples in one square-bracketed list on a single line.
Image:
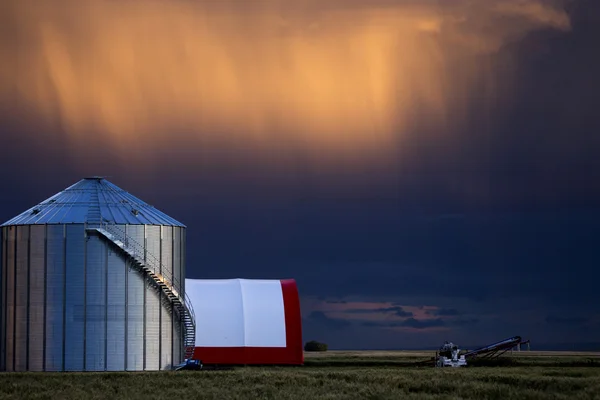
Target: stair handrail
[(141, 252)]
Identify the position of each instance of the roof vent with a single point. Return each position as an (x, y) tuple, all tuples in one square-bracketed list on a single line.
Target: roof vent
[(35, 211), (134, 211)]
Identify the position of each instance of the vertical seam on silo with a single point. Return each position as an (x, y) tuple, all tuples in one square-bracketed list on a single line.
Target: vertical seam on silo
[(5, 298), (85, 245), (45, 294), (5, 302), (3, 265), (127, 261), (2, 325), (144, 347), (64, 295), (14, 341), (180, 244), (181, 260), (105, 308), (160, 296), (2, 300), (172, 308), (28, 297)]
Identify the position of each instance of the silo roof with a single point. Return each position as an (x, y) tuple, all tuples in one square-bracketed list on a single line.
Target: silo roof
[(93, 200)]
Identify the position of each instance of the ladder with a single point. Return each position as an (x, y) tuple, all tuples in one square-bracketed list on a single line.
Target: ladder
[(94, 215), (151, 267)]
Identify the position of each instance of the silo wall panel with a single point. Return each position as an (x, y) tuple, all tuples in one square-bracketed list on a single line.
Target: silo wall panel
[(177, 343), (95, 304), (116, 284), (166, 348), (10, 298), (166, 318), (135, 320), (183, 258), (135, 306), (37, 286), (22, 283), (136, 235), (75, 298), (177, 258), (166, 253), (152, 328), (55, 295), (153, 246), (152, 305)]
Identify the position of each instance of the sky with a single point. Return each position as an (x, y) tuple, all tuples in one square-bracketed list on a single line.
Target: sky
[(426, 170)]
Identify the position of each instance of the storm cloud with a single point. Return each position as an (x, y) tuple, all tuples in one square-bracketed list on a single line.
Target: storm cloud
[(334, 82)]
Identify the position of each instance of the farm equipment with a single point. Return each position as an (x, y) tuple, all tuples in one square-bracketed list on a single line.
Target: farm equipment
[(189, 364), (449, 354), (495, 350)]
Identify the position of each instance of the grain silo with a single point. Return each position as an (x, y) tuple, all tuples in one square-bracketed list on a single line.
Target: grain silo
[(92, 280)]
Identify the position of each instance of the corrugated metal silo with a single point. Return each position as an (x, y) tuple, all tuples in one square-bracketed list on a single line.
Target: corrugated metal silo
[(92, 279)]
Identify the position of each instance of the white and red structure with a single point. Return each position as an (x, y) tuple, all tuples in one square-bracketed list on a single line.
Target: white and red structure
[(246, 321)]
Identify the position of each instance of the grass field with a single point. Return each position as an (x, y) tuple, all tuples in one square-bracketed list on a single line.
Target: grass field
[(333, 375)]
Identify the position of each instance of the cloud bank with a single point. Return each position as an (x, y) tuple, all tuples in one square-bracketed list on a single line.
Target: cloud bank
[(331, 79)]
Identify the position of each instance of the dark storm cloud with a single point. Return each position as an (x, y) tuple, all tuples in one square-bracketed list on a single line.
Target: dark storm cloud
[(320, 319), (423, 324), (566, 320), (396, 311), (483, 257), (465, 322), (408, 323), (444, 312)]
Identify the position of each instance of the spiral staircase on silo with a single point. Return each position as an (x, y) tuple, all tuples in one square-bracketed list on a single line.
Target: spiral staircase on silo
[(151, 267)]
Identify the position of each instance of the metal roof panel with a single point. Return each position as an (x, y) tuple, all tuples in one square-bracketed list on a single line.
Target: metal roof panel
[(89, 200)]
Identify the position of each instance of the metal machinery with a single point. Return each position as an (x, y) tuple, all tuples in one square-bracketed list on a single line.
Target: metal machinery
[(495, 350), (449, 354), (93, 279), (190, 364)]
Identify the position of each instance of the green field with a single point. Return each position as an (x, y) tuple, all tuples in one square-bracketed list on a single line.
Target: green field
[(333, 375)]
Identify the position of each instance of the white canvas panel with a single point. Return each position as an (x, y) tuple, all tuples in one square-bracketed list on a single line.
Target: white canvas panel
[(219, 312), (238, 312), (264, 313)]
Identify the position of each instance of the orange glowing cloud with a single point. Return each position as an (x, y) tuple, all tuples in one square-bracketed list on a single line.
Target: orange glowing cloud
[(331, 78)]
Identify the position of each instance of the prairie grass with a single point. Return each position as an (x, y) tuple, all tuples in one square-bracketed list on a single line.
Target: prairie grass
[(357, 376)]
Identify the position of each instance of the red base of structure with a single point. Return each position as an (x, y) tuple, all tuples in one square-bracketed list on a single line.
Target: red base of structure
[(292, 354), (247, 356)]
